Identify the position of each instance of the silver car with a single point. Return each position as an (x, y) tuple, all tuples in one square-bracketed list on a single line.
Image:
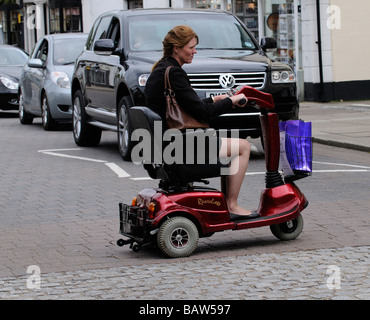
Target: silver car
[(45, 86)]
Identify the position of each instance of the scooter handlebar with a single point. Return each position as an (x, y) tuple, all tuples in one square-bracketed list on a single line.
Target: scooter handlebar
[(242, 101), (256, 98)]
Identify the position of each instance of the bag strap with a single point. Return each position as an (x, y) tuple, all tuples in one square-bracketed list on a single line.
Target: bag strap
[(167, 83)]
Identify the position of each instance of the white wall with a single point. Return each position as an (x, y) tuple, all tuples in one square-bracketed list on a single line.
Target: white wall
[(350, 40), (156, 3), (91, 9), (310, 52)]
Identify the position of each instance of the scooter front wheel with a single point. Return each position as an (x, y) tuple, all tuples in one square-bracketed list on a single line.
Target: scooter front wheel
[(178, 237), (288, 230)]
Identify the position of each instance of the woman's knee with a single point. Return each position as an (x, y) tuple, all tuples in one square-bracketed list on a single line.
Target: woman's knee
[(233, 147), (244, 146)]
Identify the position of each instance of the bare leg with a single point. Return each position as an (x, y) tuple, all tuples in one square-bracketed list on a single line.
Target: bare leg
[(239, 151)]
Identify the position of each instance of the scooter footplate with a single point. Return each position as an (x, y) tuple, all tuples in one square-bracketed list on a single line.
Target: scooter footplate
[(132, 221)]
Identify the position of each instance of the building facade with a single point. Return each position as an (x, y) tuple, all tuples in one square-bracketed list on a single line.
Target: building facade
[(316, 38)]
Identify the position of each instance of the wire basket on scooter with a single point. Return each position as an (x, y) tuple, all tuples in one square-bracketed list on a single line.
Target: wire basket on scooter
[(299, 154)]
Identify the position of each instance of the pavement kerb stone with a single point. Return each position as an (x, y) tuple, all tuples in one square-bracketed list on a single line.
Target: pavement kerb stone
[(324, 274)]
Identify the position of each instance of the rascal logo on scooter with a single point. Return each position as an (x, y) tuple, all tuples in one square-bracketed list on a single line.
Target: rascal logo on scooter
[(203, 202)]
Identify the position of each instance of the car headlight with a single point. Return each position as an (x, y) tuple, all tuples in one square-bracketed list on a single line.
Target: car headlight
[(143, 79), (10, 84), (61, 79), (283, 76)]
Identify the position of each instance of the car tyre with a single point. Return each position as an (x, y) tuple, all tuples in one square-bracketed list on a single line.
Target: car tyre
[(178, 237), (48, 122), (124, 128), (85, 135), (24, 116)]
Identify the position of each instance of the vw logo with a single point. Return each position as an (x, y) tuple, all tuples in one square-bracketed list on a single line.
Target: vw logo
[(227, 81)]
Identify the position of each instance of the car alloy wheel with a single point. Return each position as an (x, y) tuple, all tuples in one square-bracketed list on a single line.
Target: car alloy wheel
[(48, 122), (124, 129), (76, 117), (24, 117), (85, 135)]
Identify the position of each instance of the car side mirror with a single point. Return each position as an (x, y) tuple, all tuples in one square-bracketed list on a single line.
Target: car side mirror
[(104, 47), (268, 44), (36, 63)]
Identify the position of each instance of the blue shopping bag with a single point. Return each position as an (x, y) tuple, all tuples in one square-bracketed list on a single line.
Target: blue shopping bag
[(298, 145)]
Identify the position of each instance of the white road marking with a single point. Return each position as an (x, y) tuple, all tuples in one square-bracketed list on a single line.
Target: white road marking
[(114, 167), (123, 174), (336, 171), (71, 157), (262, 173), (341, 164), (339, 120), (360, 105), (118, 170), (141, 179)]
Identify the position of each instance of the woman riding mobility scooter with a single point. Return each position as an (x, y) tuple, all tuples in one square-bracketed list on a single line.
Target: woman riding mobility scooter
[(176, 214)]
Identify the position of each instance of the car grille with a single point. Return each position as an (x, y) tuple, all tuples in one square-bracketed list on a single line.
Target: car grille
[(210, 81)]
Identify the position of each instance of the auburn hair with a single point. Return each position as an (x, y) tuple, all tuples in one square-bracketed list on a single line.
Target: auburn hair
[(179, 37)]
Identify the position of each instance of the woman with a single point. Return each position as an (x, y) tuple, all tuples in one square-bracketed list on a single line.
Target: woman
[(179, 49)]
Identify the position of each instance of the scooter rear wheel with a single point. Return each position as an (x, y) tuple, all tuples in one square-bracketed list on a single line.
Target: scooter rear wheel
[(178, 237), (288, 230)]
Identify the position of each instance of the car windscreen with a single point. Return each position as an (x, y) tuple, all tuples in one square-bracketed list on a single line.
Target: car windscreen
[(215, 31), (12, 57), (66, 51)]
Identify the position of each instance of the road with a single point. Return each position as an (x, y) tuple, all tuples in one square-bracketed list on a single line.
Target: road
[(59, 212)]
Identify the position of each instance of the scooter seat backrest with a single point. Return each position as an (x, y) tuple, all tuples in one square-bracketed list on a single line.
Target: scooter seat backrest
[(144, 118)]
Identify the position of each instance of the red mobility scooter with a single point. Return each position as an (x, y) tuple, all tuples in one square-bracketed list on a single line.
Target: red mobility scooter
[(178, 213)]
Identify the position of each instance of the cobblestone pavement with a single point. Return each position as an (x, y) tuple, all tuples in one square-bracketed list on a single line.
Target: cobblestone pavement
[(54, 215), (341, 273)]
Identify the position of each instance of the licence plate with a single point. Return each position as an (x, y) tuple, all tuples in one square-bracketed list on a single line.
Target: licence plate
[(212, 94)]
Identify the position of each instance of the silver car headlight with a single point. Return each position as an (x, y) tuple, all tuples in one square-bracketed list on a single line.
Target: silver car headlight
[(61, 79), (143, 79), (10, 84), (284, 76)]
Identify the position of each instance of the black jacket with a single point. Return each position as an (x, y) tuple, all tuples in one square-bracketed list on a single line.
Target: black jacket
[(186, 97)]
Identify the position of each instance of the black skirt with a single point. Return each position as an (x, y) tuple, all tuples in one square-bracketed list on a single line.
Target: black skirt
[(198, 146)]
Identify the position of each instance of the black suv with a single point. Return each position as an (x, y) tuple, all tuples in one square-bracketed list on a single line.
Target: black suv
[(111, 73)]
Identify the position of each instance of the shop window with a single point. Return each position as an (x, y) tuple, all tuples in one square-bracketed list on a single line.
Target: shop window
[(4, 24), (65, 20), (208, 4), (135, 4), (55, 20), (279, 18), (247, 11), (72, 20), (15, 27), (10, 26)]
